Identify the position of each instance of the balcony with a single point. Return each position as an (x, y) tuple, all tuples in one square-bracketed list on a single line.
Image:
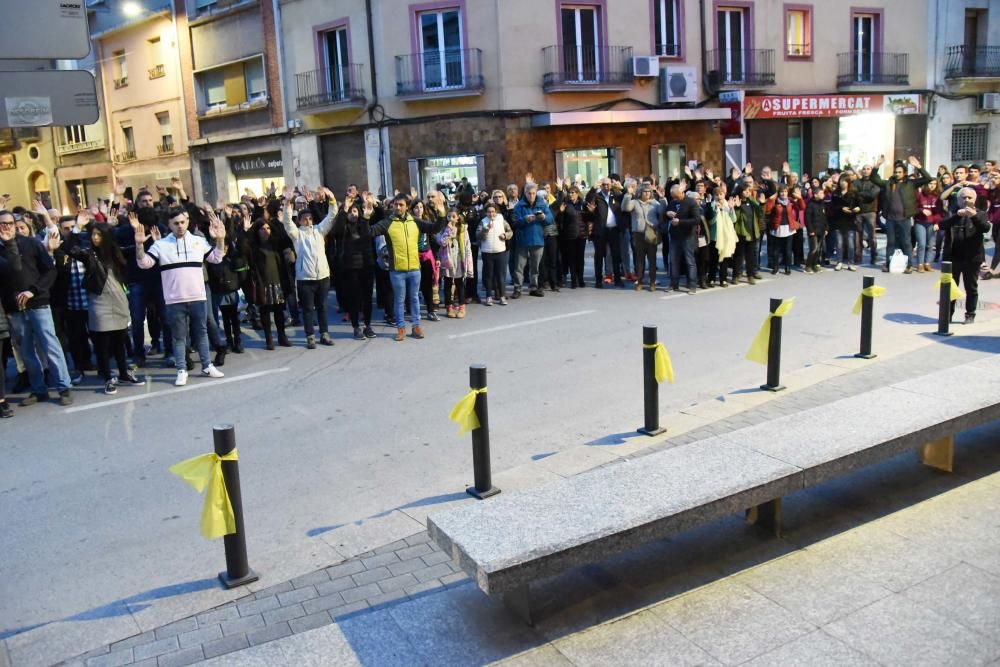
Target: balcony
[(328, 89), (223, 109), (165, 147), (798, 50), (79, 147), (432, 75), (668, 50), (157, 71), (121, 83), (873, 69), (740, 68), (980, 62), (125, 156), (573, 67)]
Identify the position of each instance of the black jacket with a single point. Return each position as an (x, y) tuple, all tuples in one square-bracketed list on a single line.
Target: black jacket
[(4, 322), (31, 268), (963, 238), (816, 222), (689, 216), (354, 242), (572, 225), (600, 216)]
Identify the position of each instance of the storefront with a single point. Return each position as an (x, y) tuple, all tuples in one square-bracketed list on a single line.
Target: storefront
[(814, 133), (445, 172), (258, 172)]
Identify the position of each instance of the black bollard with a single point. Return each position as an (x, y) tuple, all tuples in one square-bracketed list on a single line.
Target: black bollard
[(944, 303), (867, 309), (650, 387), (774, 352), (238, 572), (481, 439)]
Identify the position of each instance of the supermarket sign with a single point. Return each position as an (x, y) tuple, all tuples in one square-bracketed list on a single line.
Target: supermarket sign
[(824, 106)]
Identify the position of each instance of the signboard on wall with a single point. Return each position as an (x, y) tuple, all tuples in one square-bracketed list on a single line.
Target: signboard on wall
[(45, 30), (47, 97), (827, 106), (261, 164)]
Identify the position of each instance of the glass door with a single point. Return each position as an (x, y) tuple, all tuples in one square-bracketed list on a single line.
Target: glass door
[(864, 47), (732, 38), (338, 74), (441, 59), (581, 55)]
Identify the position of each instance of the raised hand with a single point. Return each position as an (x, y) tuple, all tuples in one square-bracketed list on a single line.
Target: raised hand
[(216, 228), (137, 229), (53, 240), (154, 233), (119, 187)]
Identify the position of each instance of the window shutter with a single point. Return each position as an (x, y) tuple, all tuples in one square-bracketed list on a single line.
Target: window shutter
[(236, 88)]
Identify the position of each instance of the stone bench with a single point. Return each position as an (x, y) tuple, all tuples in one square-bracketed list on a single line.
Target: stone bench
[(512, 540)]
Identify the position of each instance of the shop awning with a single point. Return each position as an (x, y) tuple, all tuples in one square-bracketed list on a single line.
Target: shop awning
[(630, 116)]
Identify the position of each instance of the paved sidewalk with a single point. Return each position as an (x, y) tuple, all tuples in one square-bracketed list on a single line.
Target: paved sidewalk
[(831, 565)]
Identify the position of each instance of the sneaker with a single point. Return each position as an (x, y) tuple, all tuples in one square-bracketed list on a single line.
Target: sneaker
[(909, 270), (31, 399), (75, 380), (369, 333), (155, 349), (131, 380), (65, 398), (358, 335), (692, 291), (516, 294), (418, 332), (461, 312), (885, 268), (212, 372), (970, 318), (310, 342), (111, 387), (452, 313), (21, 384), (6, 412), (808, 269), (220, 355), (536, 292), (432, 316), (839, 267), (182, 378), (851, 267), (502, 301), (400, 334), (489, 301), (920, 268)]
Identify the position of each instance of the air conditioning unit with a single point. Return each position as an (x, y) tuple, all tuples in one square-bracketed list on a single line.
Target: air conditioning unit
[(646, 66), (678, 84), (988, 102)]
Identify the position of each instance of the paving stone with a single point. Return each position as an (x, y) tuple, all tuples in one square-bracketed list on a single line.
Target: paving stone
[(348, 609), (148, 662), (395, 583), (218, 615), (335, 586), (283, 614), (200, 636), (298, 595), (156, 648), (311, 579), (434, 558), (815, 648), (323, 603), (273, 590), (405, 566), (242, 624), (433, 572), (345, 569), (379, 560), (269, 633), (177, 627), (414, 551), (370, 576), (420, 538), (360, 593), (310, 622), (386, 598), (454, 578), (423, 587), (112, 659), (187, 656), (225, 645), (257, 606), (144, 638), (394, 546)]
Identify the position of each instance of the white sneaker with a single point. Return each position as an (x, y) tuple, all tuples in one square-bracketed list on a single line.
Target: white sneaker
[(212, 372), (182, 378)]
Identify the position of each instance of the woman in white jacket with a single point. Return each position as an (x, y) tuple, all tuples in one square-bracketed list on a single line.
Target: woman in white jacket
[(455, 255), (494, 232), (312, 271)]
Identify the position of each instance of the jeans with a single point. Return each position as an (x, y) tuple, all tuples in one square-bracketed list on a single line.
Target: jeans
[(867, 221), (215, 337), (143, 300), (189, 319), (495, 273), (683, 249), (898, 232), (532, 255), (406, 285), (312, 299), (34, 328), (925, 243), (845, 246)]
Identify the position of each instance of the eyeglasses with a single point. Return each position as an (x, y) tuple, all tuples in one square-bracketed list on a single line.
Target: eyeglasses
[(5, 223)]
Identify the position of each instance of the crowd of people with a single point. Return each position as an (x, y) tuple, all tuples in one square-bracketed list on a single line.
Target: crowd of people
[(89, 287)]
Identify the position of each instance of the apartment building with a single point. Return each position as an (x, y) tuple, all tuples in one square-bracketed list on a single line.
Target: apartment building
[(143, 99), (28, 165), (235, 114)]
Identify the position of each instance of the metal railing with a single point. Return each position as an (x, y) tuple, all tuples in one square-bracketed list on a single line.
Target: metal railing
[(121, 83), (668, 50), (966, 62), (568, 65), (742, 68), (328, 86), (79, 146), (165, 147), (157, 71), (439, 71), (860, 69), (798, 50), (125, 156)]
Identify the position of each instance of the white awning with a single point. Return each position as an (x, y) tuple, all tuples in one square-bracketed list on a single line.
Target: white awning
[(629, 116)]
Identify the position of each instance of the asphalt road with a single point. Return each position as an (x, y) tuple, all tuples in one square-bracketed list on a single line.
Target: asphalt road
[(334, 436)]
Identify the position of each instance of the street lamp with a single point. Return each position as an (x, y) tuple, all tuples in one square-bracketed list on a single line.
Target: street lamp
[(131, 9)]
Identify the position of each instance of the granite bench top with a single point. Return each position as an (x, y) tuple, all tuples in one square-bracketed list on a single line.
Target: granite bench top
[(513, 539)]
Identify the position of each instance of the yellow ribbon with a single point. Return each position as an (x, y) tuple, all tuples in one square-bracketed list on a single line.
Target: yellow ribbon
[(217, 517), (464, 412), (874, 292), (956, 292), (758, 348), (664, 366)]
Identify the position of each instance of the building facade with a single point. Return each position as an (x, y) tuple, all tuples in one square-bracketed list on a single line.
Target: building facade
[(28, 166)]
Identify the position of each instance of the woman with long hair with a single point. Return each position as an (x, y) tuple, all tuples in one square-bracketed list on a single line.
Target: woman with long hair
[(455, 256), (930, 212), (353, 234), (268, 294), (844, 209), (428, 263)]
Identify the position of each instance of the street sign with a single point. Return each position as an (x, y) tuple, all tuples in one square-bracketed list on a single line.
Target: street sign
[(44, 30), (47, 97)]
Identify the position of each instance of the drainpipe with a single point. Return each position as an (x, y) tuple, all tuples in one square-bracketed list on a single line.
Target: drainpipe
[(276, 9), (379, 124), (704, 65)]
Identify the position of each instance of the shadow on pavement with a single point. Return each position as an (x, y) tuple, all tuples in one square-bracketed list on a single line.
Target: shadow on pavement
[(422, 502), (977, 343), (909, 318)]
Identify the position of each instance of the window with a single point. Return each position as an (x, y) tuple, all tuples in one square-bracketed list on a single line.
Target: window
[(213, 83), (669, 159), (441, 61), (256, 84), (732, 25), (969, 142), (668, 27), (580, 43), (155, 52), (204, 6), (864, 32), (74, 134), (337, 63), (587, 164), (798, 32), (166, 133), (120, 68), (233, 85), (128, 142)]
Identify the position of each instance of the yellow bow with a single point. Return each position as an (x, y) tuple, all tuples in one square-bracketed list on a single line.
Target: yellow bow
[(206, 470), (664, 366), (758, 348), (956, 293), (464, 412), (874, 292)]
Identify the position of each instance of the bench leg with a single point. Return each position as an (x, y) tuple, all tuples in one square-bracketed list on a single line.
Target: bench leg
[(767, 516), (939, 454), (519, 602)]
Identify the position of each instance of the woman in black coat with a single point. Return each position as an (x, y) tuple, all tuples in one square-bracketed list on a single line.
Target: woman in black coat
[(816, 225), (843, 209), (572, 234), (356, 262)]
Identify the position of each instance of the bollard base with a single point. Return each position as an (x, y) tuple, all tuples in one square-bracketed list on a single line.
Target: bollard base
[(865, 356), (651, 431), (250, 577), (775, 388), (944, 333), (482, 495)]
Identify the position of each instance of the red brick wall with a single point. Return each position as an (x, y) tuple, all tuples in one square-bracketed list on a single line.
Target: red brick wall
[(271, 64), (187, 67)]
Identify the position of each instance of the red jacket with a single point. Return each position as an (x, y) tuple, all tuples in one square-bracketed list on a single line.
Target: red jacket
[(931, 202), (778, 214)]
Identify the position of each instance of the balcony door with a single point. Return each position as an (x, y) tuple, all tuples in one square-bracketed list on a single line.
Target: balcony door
[(441, 59), (863, 52), (732, 25), (580, 44), (337, 60)]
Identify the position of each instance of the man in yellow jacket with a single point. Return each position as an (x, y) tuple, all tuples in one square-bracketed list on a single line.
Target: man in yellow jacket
[(401, 232)]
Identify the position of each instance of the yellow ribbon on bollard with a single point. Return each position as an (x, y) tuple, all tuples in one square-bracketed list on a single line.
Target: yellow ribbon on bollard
[(758, 348), (956, 292), (464, 412), (217, 517), (874, 292), (664, 368)]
